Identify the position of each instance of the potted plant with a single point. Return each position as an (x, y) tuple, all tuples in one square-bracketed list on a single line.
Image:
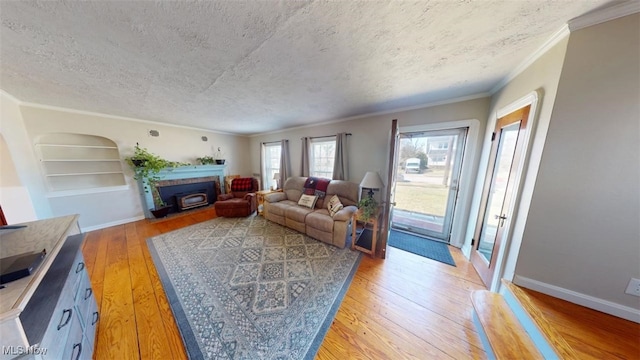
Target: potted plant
[(206, 160), (146, 167), (219, 157), (368, 205)]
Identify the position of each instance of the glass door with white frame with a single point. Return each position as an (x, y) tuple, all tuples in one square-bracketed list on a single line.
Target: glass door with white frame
[(427, 181)]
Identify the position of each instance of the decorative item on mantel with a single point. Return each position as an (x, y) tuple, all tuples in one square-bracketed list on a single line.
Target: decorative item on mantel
[(369, 205), (219, 157), (146, 167)]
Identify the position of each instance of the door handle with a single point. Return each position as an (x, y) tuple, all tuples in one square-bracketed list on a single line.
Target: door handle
[(502, 218)]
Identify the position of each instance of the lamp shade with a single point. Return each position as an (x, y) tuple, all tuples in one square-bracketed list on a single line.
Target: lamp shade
[(276, 176), (371, 180)]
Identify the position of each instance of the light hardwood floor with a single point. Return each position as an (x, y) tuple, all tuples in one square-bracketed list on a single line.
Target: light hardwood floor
[(404, 307)]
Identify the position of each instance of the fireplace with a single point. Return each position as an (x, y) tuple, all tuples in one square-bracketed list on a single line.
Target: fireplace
[(188, 194), (186, 201), (193, 176)]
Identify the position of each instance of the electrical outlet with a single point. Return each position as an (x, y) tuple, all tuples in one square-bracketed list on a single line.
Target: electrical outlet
[(634, 287)]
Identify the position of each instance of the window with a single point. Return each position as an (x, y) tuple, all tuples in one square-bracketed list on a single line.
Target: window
[(322, 156), (271, 163)]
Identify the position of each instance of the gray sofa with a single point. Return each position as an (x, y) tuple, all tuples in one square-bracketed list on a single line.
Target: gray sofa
[(282, 208)]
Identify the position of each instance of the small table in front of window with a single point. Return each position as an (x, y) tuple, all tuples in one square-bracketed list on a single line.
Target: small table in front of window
[(366, 240)]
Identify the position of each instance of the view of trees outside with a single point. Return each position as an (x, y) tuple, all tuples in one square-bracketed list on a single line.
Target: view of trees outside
[(322, 156), (425, 192)]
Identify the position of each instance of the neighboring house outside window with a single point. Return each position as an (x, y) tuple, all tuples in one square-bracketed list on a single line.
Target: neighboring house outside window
[(271, 163), (322, 156)]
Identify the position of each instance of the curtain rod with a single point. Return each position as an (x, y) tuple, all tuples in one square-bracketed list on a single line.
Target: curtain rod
[(318, 137), (273, 142)]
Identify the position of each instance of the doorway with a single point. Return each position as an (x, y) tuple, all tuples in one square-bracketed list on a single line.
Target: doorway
[(426, 181), (508, 144)]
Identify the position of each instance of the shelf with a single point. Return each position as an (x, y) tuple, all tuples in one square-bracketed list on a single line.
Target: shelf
[(77, 160), (87, 173), (364, 239), (63, 193), (79, 146), (78, 163)]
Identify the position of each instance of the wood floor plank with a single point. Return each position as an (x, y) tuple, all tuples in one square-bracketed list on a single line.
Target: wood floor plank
[(422, 323), (174, 338), (384, 330), (591, 334), (118, 335), (152, 337)]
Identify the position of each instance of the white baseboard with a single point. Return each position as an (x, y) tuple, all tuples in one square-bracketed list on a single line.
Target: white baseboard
[(113, 223), (589, 301)]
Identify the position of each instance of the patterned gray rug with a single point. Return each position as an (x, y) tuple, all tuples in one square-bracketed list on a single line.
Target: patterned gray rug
[(248, 288)]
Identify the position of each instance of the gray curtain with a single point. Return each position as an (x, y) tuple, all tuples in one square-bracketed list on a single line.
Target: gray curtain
[(340, 163), (304, 169), (263, 179), (285, 163)]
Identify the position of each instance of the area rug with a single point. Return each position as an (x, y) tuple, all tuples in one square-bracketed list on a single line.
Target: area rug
[(248, 288), (421, 246)]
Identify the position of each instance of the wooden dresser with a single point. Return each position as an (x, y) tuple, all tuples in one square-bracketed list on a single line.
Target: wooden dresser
[(51, 314)]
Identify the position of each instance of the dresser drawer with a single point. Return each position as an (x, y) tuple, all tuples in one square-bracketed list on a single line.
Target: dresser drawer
[(77, 269), (73, 348), (57, 333), (84, 298)]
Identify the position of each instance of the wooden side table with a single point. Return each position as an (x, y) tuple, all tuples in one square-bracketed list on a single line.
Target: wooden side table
[(367, 239), (260, 199)]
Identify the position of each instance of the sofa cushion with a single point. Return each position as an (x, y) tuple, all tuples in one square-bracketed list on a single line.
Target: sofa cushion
[(345, 213), (308, 201), (297, 213), (280, 207), (321, 220), (293, 187), (334, 205), (347, 191)]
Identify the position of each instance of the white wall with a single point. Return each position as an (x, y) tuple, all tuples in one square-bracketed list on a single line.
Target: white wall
[(369, 144), (542, 77), (174, 143), (20, 182), (582, 237)]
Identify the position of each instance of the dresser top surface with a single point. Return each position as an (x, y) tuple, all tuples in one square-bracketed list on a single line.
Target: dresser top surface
[(48, 235)]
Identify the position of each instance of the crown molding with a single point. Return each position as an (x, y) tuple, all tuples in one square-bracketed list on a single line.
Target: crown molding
[(13, 98), (379, 113), (115, 117), (603, 15), (546, 46)]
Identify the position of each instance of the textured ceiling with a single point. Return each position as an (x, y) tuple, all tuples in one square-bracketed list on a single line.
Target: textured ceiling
[(251, 67)]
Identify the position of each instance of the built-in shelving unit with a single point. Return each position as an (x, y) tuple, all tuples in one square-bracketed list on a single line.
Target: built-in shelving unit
[(80, 163)]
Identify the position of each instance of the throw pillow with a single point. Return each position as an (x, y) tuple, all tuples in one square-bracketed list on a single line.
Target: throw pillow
[(334, 205), (308, 201)]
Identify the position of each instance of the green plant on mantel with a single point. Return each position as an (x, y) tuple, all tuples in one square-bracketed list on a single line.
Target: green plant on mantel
[(146, 167), (369, 206), (206, 160)]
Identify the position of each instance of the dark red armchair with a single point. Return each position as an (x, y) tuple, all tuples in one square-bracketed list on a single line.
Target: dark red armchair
[(241, 201)]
